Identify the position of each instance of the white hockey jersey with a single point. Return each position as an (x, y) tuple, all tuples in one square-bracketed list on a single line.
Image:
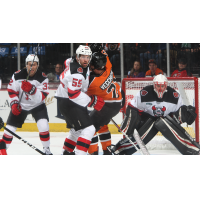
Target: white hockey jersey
[(147, 101), (74, 82), (28, 101)]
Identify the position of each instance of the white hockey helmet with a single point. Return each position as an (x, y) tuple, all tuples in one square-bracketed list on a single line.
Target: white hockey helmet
[(30, 58), (160, 83), (84, 50)]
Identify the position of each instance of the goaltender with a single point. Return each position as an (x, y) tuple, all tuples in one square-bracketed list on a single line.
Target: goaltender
[(155, 108)]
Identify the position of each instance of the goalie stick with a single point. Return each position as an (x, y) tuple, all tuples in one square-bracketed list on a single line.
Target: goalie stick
[(143, 150), (36, 51), (18, 137)]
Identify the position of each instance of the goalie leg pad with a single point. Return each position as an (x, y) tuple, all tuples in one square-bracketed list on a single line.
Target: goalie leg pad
[(146, 132), (176, 135), (131, 121)]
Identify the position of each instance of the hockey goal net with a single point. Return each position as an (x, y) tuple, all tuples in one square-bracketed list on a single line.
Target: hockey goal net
[(188, 88)]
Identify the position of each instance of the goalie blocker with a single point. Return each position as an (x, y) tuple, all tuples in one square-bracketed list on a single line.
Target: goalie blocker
[(177, 136)]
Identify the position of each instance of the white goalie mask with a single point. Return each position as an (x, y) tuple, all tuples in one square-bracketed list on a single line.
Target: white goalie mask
[(83, 50), (30, 58), (160, 83)]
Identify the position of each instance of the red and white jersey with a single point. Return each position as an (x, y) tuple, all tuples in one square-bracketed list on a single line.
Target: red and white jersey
[(74, 82), (67, 63), (182, 73), (147, 101), (28, 102)]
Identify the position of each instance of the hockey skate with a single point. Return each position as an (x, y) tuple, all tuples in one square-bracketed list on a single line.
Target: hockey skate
[(68, 153), (111, 149), (95, 153), (47, 151), (107, 152)]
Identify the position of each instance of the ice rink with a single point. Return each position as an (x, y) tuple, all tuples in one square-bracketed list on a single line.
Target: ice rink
[(17, 147)]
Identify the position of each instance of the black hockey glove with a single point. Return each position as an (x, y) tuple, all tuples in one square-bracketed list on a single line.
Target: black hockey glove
[(1, 123), (186, 114), (96, 47), (191, 114)]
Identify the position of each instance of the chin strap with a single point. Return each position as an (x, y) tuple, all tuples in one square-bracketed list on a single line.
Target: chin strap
[(78, 59)]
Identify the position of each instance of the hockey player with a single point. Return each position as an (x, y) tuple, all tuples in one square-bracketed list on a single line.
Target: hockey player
[(103, 83), (73, 102), (104, 136), (32, 93), (157, 107)]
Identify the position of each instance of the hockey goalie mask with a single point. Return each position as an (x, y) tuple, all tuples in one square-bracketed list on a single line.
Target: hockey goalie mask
[(160, 83), (82, 54)]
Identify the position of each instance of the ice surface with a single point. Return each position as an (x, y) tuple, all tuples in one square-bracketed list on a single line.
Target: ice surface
[(17, 147)]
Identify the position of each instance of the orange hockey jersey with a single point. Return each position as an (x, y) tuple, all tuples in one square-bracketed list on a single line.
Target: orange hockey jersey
[(105, 85)]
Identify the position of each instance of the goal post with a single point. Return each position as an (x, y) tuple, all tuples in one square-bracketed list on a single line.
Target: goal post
[(187, 87)]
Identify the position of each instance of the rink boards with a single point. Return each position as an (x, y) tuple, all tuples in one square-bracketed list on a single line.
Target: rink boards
[(56, 122)]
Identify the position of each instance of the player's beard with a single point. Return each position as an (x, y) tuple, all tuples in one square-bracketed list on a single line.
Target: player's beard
[(85, 64), (32, 72)]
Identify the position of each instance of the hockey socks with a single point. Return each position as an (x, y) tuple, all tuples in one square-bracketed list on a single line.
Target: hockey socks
[(2, 148), (8, 137)]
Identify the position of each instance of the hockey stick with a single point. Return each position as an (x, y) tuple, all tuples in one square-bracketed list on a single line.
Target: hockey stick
[(192, 140), (18, 137), (143, 150), (36, 51)]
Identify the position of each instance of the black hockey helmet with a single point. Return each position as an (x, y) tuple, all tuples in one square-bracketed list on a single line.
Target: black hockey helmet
[(99, 60), (96, 47)]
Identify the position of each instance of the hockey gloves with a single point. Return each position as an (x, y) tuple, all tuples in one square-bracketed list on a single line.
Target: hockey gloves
[(28, 87), (191, 115), (1, 123), (14, 107), (186, 114), (96, 102)]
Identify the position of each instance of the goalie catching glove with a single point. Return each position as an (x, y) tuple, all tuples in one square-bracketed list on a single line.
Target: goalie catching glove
[(96, 102), (186, 114), (28, 87)]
